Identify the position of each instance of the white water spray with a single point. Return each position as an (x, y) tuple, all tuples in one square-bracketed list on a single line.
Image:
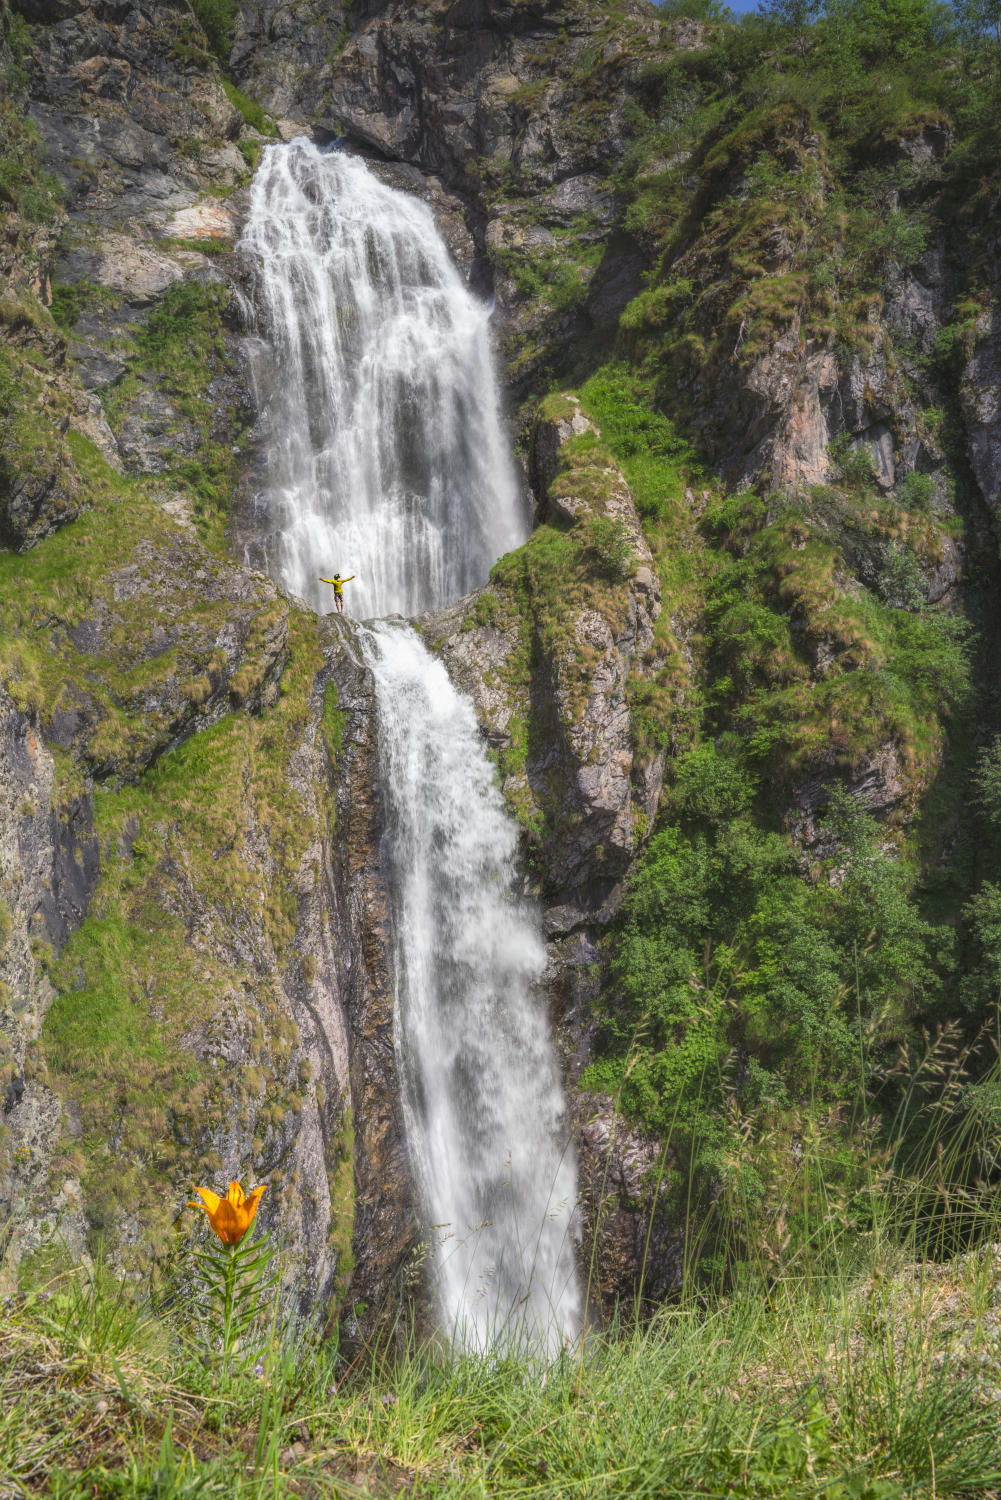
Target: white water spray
[(387, 453), (482, 1100)]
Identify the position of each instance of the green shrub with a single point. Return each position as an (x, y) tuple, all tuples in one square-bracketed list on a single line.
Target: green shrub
[(980, 988), (915, 492), (714, 785), (853, 466), (724, 952), (986, 780), (177, 316), (610, 540), (251, 153), (901, 582), (69, 303)]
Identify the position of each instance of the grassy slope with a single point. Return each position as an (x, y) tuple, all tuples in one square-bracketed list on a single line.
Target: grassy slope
[(862, 1387)]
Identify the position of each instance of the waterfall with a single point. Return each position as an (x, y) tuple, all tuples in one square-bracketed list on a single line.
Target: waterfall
[(388, 458), (481, 1091)]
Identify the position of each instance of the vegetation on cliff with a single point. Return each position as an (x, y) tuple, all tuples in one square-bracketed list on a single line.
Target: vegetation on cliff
[(794, 922)]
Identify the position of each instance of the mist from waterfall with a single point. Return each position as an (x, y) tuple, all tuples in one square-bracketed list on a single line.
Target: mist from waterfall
[(387, 456), (482, 1100), (388, 460)]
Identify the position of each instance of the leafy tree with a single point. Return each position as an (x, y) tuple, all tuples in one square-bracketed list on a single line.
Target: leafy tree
[(797, 14), (841, 49), (883, 939), (980, 988), (903, 29), (987, 783), (697, 10)]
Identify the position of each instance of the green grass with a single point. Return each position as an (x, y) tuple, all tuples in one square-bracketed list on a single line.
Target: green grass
[(70, 302), (874, 1381), (851, 1350), (654, 458), (251, 111)]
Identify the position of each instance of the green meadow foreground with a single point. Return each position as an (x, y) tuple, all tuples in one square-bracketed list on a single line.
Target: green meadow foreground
[(854, 1353), (867, 1386)]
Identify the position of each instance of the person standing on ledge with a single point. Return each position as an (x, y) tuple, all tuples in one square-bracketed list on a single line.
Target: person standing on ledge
[(338, 583)]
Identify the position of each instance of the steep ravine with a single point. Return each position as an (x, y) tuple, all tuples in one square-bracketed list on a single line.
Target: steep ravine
[(195, 918)]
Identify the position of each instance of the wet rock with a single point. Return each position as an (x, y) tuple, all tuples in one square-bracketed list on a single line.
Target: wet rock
[(980, 395), (386, 1231), (452, 213)]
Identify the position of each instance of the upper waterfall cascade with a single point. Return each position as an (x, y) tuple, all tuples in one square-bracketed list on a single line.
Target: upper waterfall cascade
[(388, 458), (482, 1099)]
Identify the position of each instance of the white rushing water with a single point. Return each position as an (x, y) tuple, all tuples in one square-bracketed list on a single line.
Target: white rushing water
[(388, 458), (482, 1099)]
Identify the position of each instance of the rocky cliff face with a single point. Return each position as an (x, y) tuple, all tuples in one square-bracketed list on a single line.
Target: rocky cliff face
[(194, 901)]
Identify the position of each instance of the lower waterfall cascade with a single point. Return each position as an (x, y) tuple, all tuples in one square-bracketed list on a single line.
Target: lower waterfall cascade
[(481, 1091), (388, 458), (387, 453)]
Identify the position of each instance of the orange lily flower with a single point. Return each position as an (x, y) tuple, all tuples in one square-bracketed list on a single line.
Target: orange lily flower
[(233, 1215)]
